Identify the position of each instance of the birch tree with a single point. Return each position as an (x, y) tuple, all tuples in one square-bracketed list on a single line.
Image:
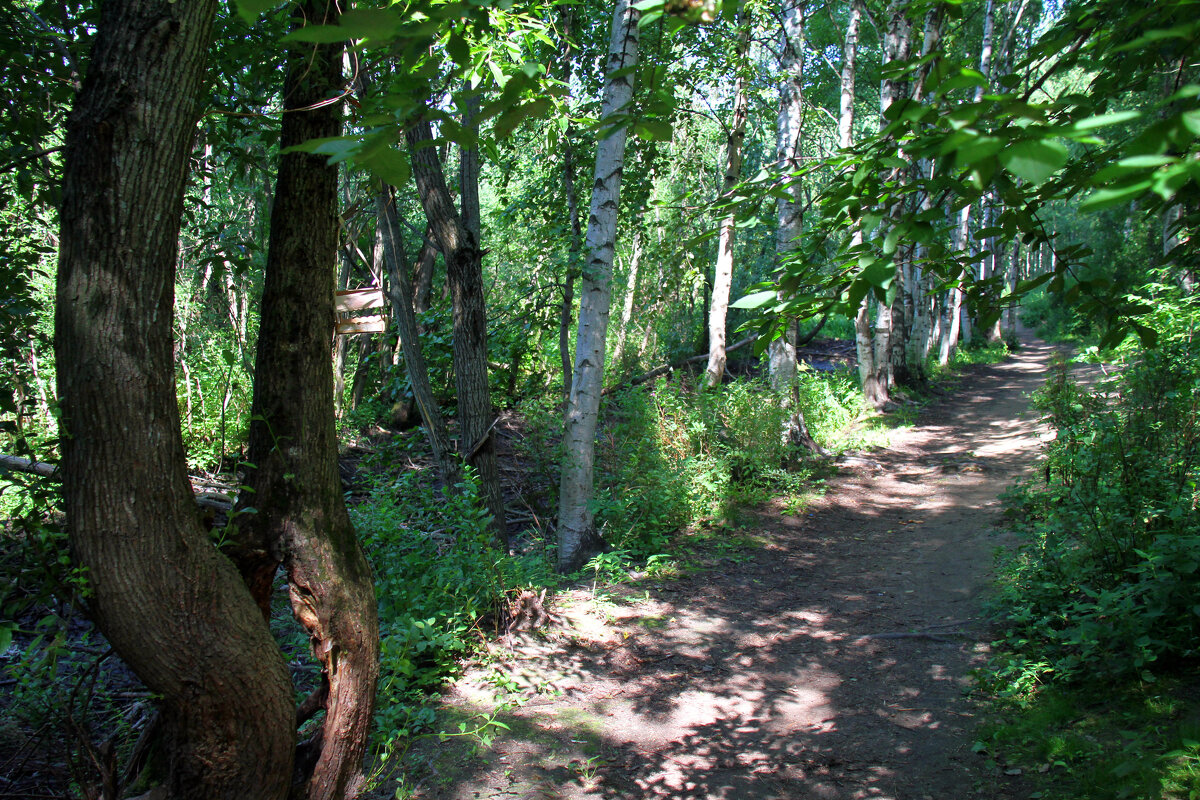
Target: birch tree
[(723, 277), (577, 534)]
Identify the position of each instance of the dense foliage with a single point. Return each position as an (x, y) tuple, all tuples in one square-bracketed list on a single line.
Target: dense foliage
[(1061, 175)]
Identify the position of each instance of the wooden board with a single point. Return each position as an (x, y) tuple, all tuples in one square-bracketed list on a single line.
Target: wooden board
[(374, 324), (357, 299)]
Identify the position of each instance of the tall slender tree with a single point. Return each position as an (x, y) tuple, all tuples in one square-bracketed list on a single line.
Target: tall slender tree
[(577, 534), (458, 237), (718, 311)]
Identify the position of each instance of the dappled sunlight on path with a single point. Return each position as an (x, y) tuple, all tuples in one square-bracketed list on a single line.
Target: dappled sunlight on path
[(831, 662)]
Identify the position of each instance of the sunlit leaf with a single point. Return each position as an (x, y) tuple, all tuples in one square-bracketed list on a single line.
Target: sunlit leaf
[(1034, 160)]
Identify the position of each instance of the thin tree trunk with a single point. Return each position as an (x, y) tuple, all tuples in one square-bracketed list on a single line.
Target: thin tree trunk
[(172, 607), (635, 260), (296, 489), (460, 248), (577, 534), (718, 312), (789, 131), (410, 340), (574, 243), (422, 280), (897, 44)]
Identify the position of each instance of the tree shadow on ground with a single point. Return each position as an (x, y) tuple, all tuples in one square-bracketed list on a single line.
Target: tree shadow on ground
[(830, 663)]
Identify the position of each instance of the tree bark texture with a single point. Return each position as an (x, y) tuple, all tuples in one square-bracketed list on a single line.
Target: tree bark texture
[(789, 130), (301, 516), (577, 533), (574, 244), (464, 273), (718, 312), (897, 43), (401, 295), (171, 606)]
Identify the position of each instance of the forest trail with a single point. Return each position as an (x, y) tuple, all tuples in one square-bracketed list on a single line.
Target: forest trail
[(828, 662)]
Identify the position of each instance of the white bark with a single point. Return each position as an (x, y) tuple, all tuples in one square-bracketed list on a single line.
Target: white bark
[(630, 293), (954, 325), (718, 312), (781, 352), (576, 527)]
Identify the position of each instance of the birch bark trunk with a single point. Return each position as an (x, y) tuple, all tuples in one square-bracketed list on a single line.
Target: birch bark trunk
[(718, 312), (781, 352), (577, 534)]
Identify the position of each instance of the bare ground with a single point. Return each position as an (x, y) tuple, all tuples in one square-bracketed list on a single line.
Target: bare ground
[(830, 661)]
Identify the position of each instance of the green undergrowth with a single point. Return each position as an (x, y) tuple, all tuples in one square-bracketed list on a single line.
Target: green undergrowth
[(1092, 678), (673, 465), (1128, 741), (672, 456)]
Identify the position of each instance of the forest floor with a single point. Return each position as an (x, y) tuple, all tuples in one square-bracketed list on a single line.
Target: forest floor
[(819, 652)]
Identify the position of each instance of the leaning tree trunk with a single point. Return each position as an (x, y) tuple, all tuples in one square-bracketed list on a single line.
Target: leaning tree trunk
[(718, 312), (576, 527), (171, 606), (401, 295), (295, 486), (459, 242)]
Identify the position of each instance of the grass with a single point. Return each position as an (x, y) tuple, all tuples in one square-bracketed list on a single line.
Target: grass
[(1136, 740)]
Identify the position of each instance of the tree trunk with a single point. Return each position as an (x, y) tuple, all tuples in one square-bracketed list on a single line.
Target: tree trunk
[(464, 273), (577, 534), (295, 486), (635, 261), (410, 341), (422, 280), (789, 130), (718, 312), (887, 354), (567, 309), (171, 606)]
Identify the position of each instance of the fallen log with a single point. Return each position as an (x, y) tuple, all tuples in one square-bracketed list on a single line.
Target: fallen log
[(42, 469), (665, 368)]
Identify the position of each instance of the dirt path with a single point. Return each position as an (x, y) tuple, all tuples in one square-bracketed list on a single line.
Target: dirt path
[(830, 662)]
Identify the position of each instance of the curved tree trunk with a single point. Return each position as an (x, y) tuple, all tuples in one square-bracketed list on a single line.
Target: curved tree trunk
[(301, 514), (172, 606), (576, 526)]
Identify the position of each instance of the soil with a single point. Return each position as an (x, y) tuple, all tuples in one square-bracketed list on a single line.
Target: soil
[(825, 652)]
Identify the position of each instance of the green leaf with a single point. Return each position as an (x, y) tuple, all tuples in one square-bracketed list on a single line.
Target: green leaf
[(756, 300), (389, 165), (654, 130), (459, 50), (368, 23), (1034, 160), (1103, 120), (251, 10), (1114, 196), (977, 148)]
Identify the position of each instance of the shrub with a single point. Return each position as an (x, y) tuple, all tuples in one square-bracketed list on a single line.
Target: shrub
[(1108, 577), (437, 575)]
